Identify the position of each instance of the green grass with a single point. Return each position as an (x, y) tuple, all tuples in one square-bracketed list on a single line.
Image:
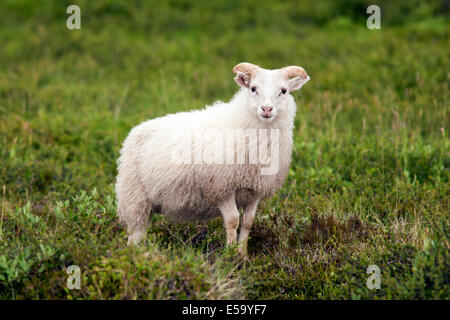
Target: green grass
[(369, 179)]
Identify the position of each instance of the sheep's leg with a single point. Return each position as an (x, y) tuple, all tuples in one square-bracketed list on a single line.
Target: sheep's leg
[(246, 224), (137, 221), (230, 216), (136, 216), (136, 234), (133, 209)]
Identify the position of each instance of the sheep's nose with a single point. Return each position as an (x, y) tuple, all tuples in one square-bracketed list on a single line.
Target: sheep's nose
[(266, 109)]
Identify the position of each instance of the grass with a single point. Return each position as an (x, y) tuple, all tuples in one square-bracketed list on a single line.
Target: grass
[(369, 179)]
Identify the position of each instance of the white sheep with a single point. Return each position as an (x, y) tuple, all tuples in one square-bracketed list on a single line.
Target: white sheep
[(198, 165)]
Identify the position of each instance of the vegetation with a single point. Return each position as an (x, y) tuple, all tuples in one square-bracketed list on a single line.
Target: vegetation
[(369, 180)]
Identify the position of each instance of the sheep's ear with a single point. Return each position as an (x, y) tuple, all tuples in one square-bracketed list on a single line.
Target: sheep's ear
[(297, 77), (244, 71), (297, 82), (242, 79)]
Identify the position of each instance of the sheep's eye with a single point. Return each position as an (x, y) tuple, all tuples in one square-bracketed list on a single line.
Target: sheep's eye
[(253, 89), (283, 91)]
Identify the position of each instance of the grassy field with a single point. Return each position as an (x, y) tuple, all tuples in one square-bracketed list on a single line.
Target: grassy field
[(369, 179)]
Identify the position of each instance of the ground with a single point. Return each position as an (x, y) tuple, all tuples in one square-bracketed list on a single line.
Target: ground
[(369, 179)]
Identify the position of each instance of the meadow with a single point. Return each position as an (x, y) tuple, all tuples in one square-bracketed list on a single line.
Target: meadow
[(369, 179)]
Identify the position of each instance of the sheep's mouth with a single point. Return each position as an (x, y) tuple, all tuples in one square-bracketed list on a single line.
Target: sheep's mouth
[(266, 117)]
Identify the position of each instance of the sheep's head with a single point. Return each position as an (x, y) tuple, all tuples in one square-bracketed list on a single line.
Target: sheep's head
[(269, 90)]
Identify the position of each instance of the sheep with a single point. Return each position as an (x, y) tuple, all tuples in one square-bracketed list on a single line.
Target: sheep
[(163, 170)]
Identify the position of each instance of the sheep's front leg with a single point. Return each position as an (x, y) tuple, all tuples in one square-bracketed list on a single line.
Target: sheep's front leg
[(230, 216), (246, 224)]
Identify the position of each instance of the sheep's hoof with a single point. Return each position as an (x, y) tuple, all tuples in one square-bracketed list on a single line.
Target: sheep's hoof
[(243, 253), (135, 238), (132, 242), (245, 257)]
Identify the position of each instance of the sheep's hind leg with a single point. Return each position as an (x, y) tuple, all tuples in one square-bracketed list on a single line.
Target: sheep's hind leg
[(134, 212), (230, 216), (136, 234)]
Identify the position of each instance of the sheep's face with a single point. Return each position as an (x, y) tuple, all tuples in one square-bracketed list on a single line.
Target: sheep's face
[(269, 90)]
